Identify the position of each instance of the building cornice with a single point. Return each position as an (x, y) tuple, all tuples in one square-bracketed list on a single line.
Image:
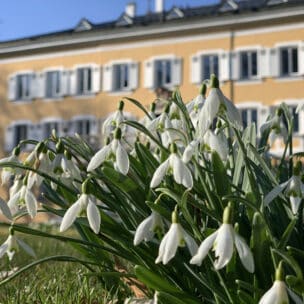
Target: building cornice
[(229, 22)]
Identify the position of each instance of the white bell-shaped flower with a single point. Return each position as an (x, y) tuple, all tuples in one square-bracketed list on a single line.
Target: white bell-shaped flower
[(115, 149), (85, 203), (223, 241), (11, 246), (113, 121), (294, 189), (9, 172), (148, 227), (217, 103), (23, 197), (174, 238), (279, 292), (181, 174)]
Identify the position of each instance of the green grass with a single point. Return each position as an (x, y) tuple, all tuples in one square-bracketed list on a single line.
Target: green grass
[(50, 282)]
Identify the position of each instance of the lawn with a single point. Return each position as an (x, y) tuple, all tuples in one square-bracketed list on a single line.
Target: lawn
[(50, 282)]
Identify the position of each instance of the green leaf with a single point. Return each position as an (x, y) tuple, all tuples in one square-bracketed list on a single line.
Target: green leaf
[(139, 105)]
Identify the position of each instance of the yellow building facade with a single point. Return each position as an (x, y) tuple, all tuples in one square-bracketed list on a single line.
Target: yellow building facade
[(72, 80)]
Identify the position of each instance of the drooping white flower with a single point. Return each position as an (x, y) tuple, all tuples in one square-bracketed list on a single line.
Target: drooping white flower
[(195, 105), (84, 203), (148, 227), (278, 293), (5, 210), (174, 238), (11, 246), (9, 172), (113, 121), (23, 197), (217, 103), (190, 150), (181, 174), (115, 149), (223, 241), (294, 190), (70, 170)]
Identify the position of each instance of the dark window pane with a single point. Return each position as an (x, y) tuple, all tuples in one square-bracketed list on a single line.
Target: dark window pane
[(284, 62), (206, 67), (20, 133), (89, 80), (254, 69), (294, 60), (296, 120), (254, 116), (125, 81), (168, 72), (244, 66), (215, 66), (244, 117)]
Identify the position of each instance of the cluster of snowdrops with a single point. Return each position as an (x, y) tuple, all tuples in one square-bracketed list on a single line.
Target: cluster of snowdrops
[(191, 198)]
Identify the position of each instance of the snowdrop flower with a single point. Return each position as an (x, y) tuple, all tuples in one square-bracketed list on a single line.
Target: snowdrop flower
[(5, 210), (85, 202), (217, 142), (115, 149), (70, 170), (294, 190), (181, 174), (174, 238), (217, 103), (195, 105), (190, 150), (278, 293), (276, 128), (11, 246), (22, 197), (222, 241), (113, 121), (9, 172), (148, 227)]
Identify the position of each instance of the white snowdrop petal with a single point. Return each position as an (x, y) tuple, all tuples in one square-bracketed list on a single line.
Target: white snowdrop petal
[(93, 215), (203, 249), (70, 216), (159, 174), (122, 159), (172, 243), (295, 203), (143, 231), (98, 158), (223, 246), (191, 244), (5, 209), (3, 249), (31, 203), (161, 249), (244, 253)]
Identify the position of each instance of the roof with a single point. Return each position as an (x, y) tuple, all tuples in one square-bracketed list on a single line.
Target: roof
[(176, 15)]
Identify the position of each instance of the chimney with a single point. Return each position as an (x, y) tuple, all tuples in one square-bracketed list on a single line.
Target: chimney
[(159, 6), (130, 9)]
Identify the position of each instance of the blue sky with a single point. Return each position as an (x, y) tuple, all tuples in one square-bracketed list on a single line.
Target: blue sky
[(22, 18)]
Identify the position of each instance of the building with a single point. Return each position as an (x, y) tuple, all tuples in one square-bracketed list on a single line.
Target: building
[(71, 80)]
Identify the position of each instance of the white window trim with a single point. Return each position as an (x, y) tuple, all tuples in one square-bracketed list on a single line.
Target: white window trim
[(15, 74), (81, 66), (294, 102), (286, 44), (52, 69)]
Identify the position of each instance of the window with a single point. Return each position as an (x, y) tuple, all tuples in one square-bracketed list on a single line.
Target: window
[(48, 127), (248, 65), (163, 73), (288, 61), (83, 126), (84, 81), (20, 133), (249, 116), (121, 77), (23, 86), (210, 65), (53, 84)]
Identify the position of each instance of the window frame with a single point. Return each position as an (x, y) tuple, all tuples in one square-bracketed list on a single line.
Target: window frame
[(163, 62), (19, 99), (58, 96), (85, 92), (121, 65), (51, 120), (248, 54), (202, 57), (289, 49)]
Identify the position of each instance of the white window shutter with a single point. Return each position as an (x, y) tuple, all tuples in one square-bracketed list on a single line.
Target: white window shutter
[(224, 69), (274, 62), (107, 81), (149, 74), (9, 138), (196, 69), (64, 85), (235, 65), (96, 72), (33, 85), (12, 88), (176, 71), (301, 59), (73, 82), (40, 85), (264, 62), (94, 126), (133, 75)]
